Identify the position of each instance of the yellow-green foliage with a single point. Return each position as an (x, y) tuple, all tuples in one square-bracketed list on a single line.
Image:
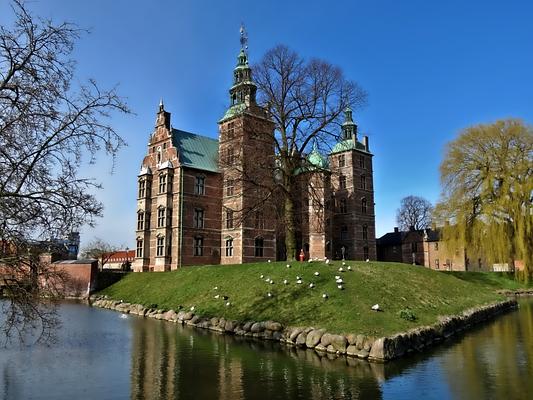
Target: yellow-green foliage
[(487, 192)]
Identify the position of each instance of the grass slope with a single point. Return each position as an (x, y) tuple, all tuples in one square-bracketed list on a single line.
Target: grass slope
[(393, 286)]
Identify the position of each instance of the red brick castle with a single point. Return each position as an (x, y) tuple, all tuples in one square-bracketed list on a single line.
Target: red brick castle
[(205, 201)]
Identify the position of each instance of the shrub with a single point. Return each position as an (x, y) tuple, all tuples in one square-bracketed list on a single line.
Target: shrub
[(407, 314)]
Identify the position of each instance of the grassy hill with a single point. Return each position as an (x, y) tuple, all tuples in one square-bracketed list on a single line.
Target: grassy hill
[(395, 287)]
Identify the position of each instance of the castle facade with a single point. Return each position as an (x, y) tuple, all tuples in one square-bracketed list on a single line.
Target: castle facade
[(206, 201)]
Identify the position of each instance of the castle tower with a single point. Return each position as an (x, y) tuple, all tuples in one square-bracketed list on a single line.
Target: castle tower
[(155, 226), (318, 195), (353, 230), (246, 159)]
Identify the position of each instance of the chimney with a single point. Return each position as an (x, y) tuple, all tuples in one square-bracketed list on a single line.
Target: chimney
[(365, 143), (396, 230)]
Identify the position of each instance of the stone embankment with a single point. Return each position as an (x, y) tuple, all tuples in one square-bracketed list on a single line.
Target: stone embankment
[(352, 345), (517, 292)]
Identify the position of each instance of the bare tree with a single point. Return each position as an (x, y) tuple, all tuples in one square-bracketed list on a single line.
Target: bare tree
[(305, 99), (414, 212), (48, 128), (100, 250)]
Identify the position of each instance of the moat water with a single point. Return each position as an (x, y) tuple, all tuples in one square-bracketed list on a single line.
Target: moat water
[(99, 354)]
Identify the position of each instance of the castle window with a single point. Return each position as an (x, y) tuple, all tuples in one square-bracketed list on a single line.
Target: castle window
[(142, 188), (365, 232), (259, 246), (344, 232), (231, 130), (164, 146), (343, 207), (229, 247), (363, 206), (230, 187), (229, 219), (140, 221), (437, 263), (139, 252), (160, 217), (365, 253), (160, 248), (198, 246), (413, 247), (198, 218), (436, 245), (363, 182), (230, 156), (342, 160), (362, 161), (259, 220), (342, 182), (199, 187), (162, 183)]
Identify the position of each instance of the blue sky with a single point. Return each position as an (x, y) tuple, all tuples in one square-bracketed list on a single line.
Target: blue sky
[(430, 68)]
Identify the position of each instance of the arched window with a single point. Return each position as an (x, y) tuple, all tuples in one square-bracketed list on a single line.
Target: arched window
[(229, 247), (140, 220), (139, 252), (363, 205), (229, 219), (259, 247), (160, 247), (365, 232)]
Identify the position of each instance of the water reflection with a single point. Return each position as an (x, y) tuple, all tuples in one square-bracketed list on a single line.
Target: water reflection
[(169, 362), (100, 355)]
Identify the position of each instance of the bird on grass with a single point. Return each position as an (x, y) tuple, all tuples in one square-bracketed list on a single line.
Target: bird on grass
[(317, 273), (311, 285), (325, 296)]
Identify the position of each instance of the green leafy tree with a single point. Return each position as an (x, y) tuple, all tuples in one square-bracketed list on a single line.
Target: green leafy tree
[(487, 192)]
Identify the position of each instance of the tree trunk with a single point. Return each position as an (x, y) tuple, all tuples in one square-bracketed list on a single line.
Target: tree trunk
[(290, 234)]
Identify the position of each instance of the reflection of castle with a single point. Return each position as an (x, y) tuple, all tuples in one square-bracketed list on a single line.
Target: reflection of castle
[(202, 201), (170, 362)]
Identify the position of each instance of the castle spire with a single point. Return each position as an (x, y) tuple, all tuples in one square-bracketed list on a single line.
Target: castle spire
[(349, 128), (243, 91)]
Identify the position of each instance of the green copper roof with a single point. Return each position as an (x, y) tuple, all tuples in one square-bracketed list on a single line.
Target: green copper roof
[(347, 145), (234, 110), (316, 159), (196, 151)]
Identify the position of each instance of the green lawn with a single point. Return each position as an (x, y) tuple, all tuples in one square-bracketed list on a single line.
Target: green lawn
[(393, 286)]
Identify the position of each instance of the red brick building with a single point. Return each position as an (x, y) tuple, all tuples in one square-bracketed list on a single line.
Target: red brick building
[(201, 200), (425, 247)]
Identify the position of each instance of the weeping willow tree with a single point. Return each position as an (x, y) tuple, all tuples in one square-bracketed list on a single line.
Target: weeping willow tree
[(487, 193)]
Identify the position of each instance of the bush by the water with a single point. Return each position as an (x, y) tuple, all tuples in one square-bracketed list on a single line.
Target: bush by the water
[(407, 314)]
